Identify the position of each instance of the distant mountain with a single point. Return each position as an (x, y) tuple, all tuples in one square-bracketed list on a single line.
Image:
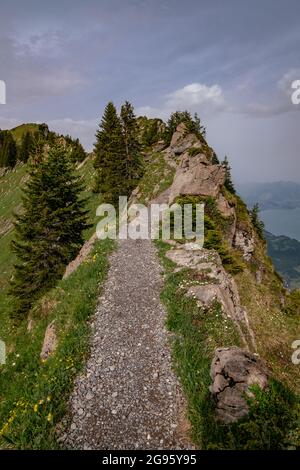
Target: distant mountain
[(285, 254), (278, 195)]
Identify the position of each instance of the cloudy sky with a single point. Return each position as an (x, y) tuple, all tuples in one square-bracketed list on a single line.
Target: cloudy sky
[(232, 61)]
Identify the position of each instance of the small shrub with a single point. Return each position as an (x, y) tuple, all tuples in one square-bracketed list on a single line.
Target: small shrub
[(193, 151), (292, 306), (256, 222)]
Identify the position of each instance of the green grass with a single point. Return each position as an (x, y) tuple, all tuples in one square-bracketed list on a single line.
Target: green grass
[(10, 201), (34, 393), (157, 178), (19, 131), (25, 380), (197, 332)]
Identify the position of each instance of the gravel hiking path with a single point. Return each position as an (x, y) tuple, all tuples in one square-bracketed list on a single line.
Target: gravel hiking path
[(128, 396)]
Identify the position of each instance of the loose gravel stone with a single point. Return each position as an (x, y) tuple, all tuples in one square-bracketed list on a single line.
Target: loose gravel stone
[(128, 396)]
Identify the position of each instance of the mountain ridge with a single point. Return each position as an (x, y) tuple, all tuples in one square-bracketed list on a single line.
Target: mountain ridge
[(223, 302)]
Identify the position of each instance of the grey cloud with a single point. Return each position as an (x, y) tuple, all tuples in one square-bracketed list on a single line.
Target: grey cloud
[(63, 60)]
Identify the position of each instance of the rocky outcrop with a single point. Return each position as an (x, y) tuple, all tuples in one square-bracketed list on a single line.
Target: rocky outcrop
[(233, 371), (227, 211), (197, 179), (195, 174), (244, 241), (219, 287), (183, 140), (224, 207)]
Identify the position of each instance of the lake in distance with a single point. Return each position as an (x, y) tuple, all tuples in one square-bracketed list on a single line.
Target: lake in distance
[(282, 222)]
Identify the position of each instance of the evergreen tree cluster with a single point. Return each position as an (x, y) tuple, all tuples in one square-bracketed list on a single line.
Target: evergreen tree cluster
[(228, 179), (11, 151), (31, 145), (257, 223), (150, 130), (8, 150), (49, 228), (76, 150), (192, 123), (118, 160)]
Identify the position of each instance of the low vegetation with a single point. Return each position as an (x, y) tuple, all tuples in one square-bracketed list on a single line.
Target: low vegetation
[(128, 153), (34, 394), (272, 422)]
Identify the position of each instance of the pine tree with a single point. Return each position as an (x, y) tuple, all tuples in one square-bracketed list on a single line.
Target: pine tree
[(215, 160), (193, 124), (134, 167), (151, 133), (27, 146), (9, 151), (78, 153), (2, 136), (49, 229), (228, 180), (110, 161), (257, 223)]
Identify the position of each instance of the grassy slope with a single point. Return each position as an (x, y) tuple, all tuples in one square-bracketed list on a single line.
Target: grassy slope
[(197, 332), (158, 177), (33, 395), (19, 131), (28, 419), (10, 199)]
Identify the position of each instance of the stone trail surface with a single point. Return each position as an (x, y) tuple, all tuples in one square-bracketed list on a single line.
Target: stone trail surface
[(128, 397)]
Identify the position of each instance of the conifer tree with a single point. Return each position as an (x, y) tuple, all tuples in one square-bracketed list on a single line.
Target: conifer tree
[(9, 151), (257, 223), (193, 124), (78, 153), (49, 229), (228, 180), (27, 146), (134, 165), (110, 161)]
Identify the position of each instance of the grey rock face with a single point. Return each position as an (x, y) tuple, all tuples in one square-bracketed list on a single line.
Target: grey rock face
[(233, 371), (195, 175), (245, 242), (197, 179), (182, 140)]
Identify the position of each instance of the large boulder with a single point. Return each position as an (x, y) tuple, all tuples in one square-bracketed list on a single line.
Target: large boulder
[(233, 371), (196, 178), (195, 174)]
